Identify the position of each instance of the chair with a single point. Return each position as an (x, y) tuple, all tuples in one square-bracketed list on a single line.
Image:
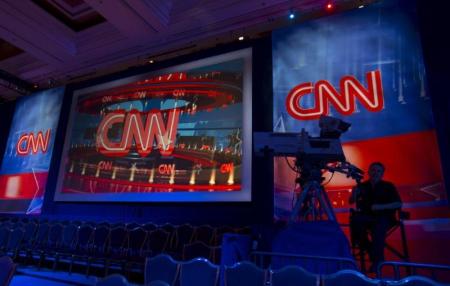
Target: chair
[(244, 273), (199, 272), (136, 249), (116, 251), (8, 268), (292, 275), (15, 239), (113, 280), (67, 245), (413, 281), (398, 224), (161, 268), (349, 278)]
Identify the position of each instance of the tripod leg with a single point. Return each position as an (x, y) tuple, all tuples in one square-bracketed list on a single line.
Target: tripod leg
[(299, 203), (326, 204)]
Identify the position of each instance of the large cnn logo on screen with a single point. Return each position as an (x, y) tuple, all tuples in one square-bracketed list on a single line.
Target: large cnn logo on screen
[(145, 136), (33, 143), (344, 101)]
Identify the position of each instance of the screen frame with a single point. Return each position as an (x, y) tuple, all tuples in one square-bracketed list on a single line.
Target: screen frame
[(244, 195)]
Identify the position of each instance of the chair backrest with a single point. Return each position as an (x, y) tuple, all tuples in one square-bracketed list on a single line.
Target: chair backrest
[(7, 269), (199, 272), (161, 268), (414, 281), (15, 239), (291, 276), (349, 278), (113, 280), (4, 236), (246, 274)]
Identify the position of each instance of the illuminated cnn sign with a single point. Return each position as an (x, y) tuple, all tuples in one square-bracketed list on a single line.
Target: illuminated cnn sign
[(144, 135), (344, 101), (30, 142)]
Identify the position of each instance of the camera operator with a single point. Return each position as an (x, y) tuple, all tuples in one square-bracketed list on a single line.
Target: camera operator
[(376, 202)]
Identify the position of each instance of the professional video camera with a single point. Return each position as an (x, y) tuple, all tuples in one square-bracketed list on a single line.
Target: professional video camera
[(313, 156)]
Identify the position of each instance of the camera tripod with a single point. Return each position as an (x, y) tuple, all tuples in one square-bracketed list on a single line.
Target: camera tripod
[(312, 203)]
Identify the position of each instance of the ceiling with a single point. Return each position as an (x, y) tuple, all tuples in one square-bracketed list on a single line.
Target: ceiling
[(54, 42)]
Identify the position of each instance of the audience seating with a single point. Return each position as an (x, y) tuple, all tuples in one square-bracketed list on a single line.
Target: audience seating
[(199, 272), (143, 248)]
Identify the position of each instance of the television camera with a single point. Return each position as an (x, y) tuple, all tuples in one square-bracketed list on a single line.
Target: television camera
[(313, 155)]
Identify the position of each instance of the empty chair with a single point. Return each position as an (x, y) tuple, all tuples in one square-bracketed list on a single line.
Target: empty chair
[(82, 250), (97, 249), (113, 280), (414, 281), (161, 268), (7, 269), (199, 272), (136, 249), (291, 275), (67, 245), (349, 278), (116, 251), (196, 249), (15, 239), (246, 274), (4, 236)]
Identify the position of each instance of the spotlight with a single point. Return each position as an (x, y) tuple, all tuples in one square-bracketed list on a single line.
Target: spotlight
[(361, 6), (241, 38), (150, 61), (329, 6), (291, 15)]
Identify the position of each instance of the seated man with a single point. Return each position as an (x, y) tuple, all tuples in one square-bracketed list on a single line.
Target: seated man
[(376, 204)]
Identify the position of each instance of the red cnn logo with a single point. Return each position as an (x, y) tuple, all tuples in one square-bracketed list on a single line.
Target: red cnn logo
[(30, 142), (344, 102), (134, 129)]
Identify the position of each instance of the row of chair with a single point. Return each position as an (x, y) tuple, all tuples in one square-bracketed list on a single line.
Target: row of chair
[(100, 246), (207, 234), (201, 272)]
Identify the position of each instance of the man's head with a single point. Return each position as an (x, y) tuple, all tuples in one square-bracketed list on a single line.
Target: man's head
[(376, 172)]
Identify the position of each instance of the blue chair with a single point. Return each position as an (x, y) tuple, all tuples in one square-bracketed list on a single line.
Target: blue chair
[(244, 273), (7, 269), (199, 272), (349, 278), (161, 268), (113, 280), (293, 276), (414, 281)]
